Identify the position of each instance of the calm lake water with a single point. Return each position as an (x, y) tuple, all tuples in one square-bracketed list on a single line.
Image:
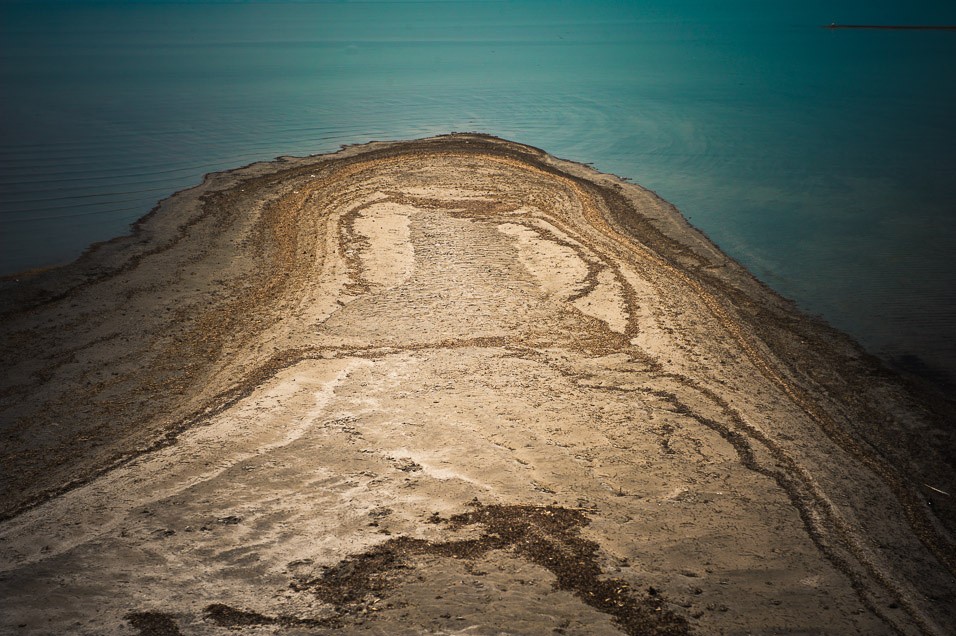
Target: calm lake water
[(822, 160)]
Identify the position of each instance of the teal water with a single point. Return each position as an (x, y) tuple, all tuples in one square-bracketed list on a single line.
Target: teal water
[(822, 160)]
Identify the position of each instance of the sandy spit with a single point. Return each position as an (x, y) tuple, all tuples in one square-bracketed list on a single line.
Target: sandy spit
[(451, 386)]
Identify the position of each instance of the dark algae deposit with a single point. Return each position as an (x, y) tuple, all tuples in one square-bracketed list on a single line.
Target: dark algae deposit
[(547, 536)]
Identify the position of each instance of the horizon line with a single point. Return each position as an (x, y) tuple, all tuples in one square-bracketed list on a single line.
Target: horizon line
[(894, 27)]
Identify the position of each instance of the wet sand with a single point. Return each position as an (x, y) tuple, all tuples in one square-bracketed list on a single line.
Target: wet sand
[(451, 386)]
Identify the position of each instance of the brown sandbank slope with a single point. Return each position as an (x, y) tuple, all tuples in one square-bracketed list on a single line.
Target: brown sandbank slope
[(452, 385)]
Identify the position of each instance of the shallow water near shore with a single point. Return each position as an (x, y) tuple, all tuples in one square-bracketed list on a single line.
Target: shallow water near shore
[(820, 160)]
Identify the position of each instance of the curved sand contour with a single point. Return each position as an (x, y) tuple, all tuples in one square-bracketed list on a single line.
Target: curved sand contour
[(453, 385)]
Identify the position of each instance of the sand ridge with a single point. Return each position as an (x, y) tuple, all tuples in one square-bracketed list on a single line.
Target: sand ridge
[(286, 401)]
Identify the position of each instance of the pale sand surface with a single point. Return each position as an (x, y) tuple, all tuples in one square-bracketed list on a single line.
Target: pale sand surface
[(451, 386)]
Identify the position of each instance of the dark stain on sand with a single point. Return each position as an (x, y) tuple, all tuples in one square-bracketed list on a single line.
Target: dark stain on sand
[(548, 536)]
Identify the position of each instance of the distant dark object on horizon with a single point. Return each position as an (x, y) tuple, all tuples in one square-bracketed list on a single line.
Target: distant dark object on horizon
[(893, 27)]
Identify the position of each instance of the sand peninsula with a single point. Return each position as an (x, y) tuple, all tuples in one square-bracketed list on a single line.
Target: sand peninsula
[(451, 386)]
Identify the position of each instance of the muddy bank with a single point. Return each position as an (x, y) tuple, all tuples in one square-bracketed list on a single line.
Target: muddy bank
[(287, 400)]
